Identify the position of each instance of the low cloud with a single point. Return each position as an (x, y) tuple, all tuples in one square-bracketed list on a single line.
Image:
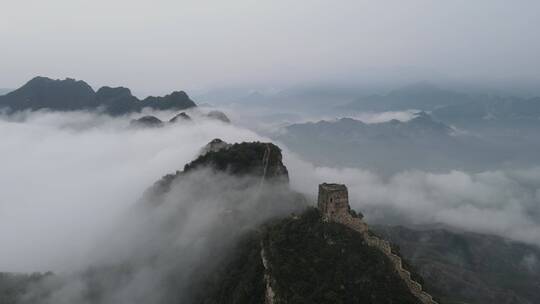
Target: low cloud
[(164, 247), (504, 203), (67, 176), (379, 117)]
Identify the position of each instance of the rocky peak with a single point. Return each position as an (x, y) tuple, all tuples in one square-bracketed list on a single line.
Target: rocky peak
[(260, 160), (42, 92), (108, 92), (147, 121), (180, 117), (175, 100), (255, 158), (214, 146), (219, 116)]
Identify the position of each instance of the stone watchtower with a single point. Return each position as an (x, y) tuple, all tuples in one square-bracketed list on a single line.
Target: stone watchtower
[(333, 201)]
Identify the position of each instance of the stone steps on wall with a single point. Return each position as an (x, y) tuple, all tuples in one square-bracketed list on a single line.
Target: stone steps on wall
[(384, 246)]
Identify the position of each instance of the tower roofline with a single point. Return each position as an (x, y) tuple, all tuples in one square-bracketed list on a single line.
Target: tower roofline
[(333, 187)]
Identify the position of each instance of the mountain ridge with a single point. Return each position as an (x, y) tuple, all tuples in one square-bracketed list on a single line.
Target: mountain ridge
[(70, 95)]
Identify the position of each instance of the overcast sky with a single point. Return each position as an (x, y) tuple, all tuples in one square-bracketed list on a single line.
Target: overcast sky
[(161, 45)]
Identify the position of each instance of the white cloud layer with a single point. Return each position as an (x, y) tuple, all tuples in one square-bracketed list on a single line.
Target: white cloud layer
[(505, 203), (66, 179)]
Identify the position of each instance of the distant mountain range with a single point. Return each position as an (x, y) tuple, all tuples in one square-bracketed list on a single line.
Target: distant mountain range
[(387, 147), (454, 107), (450, 106), (492, 111), (420, 96), (351, 129), (70, 95)]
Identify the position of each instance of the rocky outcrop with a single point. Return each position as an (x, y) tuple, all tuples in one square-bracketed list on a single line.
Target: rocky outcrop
[(240, 159), (214, 146), (255, 159)]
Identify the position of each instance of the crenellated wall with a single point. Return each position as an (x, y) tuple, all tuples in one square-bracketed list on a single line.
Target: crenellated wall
[(338, 213)]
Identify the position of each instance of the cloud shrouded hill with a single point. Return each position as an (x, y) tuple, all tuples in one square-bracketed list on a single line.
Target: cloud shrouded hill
[(87, 170), (197, 236), (71, 95)]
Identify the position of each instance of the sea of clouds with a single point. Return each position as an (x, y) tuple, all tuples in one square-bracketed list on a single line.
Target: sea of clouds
[(67, 178)]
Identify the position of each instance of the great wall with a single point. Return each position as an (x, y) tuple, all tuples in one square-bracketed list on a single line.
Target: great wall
[(333, 203)]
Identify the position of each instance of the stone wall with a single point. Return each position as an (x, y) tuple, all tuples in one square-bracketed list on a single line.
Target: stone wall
[(333, 211), (269, 294)]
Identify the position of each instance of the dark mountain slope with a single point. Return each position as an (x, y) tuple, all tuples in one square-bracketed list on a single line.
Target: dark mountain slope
[(469, 267), (309, 262), (316, 262), (13, 286), (241, 159), (42, 92), (71, 94)]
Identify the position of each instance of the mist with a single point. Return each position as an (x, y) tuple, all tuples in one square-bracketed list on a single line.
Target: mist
[(167, 244), (74, 202), (501, 202), (67, 177), (165, 45)]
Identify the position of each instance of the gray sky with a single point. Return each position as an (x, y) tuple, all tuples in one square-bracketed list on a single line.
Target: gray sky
[(161, 45)]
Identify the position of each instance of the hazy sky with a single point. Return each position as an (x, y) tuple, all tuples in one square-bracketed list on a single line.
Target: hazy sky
[(160, 45)]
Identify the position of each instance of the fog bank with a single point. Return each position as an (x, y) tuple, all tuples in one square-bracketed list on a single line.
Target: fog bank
[(68, 177)]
